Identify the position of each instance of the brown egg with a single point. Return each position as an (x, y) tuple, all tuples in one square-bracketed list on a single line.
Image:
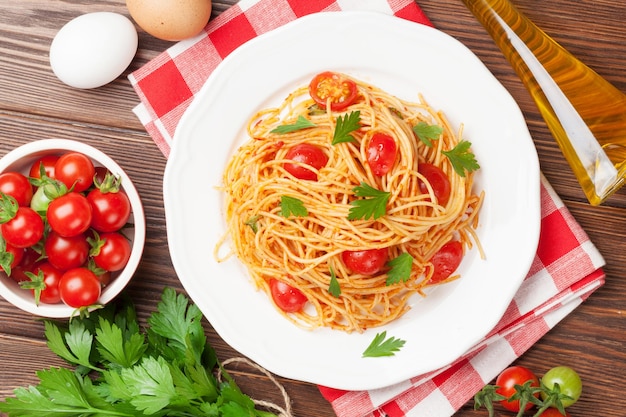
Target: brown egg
[(170, 20)]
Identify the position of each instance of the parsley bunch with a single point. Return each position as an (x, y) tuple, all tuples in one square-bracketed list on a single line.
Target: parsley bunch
[(166, 370)]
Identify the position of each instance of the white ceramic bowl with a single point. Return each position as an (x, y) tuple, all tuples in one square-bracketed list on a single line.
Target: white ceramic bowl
[(20, 159)]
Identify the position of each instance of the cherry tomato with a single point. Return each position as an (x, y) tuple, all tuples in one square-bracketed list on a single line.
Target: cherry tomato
[(24, 229), (51, 277), (553, 412), (47, 162), (446, 261), (75, 169), (101, 173), (306, 154), (286, 297), (381, 153), (569, 383), (18, 254), (114, 253), (41, 199), (341, 91), (79, 287), (438, 180), (366, 262), (17, 186), (110, 210), (30, 259), (506, 381), (66, 252), (70, 214), (104, 278), (10, 257)]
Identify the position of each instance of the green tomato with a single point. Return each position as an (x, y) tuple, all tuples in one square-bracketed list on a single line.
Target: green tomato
[(569, 383), (45, 194), (40, 200)]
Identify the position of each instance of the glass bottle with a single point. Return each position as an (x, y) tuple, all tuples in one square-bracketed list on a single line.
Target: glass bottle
[(584, 112)]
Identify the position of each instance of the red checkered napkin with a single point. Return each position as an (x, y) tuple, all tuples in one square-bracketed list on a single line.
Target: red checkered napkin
[(566, 270), (167, 84)]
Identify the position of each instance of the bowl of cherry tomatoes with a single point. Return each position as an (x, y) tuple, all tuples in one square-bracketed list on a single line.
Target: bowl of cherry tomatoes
[(72, 228)]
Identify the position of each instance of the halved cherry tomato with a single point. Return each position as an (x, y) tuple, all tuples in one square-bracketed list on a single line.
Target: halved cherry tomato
[(75, 169), (308, 154), (17, 186), (113, 252), (286, 297), (446, 261), (47, 162), (66, 252), (381, 153), (506, 381), (79, 287), (70, 214), (437, 179), (341, 91), (366, 262)]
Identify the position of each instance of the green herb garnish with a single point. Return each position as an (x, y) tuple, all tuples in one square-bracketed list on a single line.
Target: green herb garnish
[(381, 346), (300, 123), (253, 223), (400, 269), (346, 125), (461, 158), (372, 205), (427, 133), (333, 288), (291, 206)]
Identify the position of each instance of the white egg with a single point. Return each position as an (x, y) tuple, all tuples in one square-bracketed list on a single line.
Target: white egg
[(93, 49)]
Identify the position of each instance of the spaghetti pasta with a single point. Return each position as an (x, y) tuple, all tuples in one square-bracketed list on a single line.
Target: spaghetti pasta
[(304, 250)]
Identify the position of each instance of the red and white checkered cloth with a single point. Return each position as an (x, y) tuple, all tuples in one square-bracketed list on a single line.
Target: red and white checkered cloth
[(566, 269)]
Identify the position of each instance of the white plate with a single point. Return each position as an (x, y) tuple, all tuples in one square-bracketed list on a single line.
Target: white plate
[(405, 59)]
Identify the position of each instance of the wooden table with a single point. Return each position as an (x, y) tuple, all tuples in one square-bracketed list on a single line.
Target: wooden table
[(35, 105)]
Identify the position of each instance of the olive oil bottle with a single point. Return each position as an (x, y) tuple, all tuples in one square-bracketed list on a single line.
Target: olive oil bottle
[(584, 112)]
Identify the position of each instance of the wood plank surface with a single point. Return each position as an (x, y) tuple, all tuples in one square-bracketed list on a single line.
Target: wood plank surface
[(35, 105)]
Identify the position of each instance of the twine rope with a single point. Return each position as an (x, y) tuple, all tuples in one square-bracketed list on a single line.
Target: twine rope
[(282, 412)]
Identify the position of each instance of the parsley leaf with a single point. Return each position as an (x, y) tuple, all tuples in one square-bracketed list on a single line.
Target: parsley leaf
[(461, 158), (116, 347), (346, 125), (252, 222), (61, 393), (122, 373), (373, 205), (149, 387), (300, 123), (73, 345), (292, 206), (334, 289), (180, 323), (400, 269), (381, 346), (427, 133)]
